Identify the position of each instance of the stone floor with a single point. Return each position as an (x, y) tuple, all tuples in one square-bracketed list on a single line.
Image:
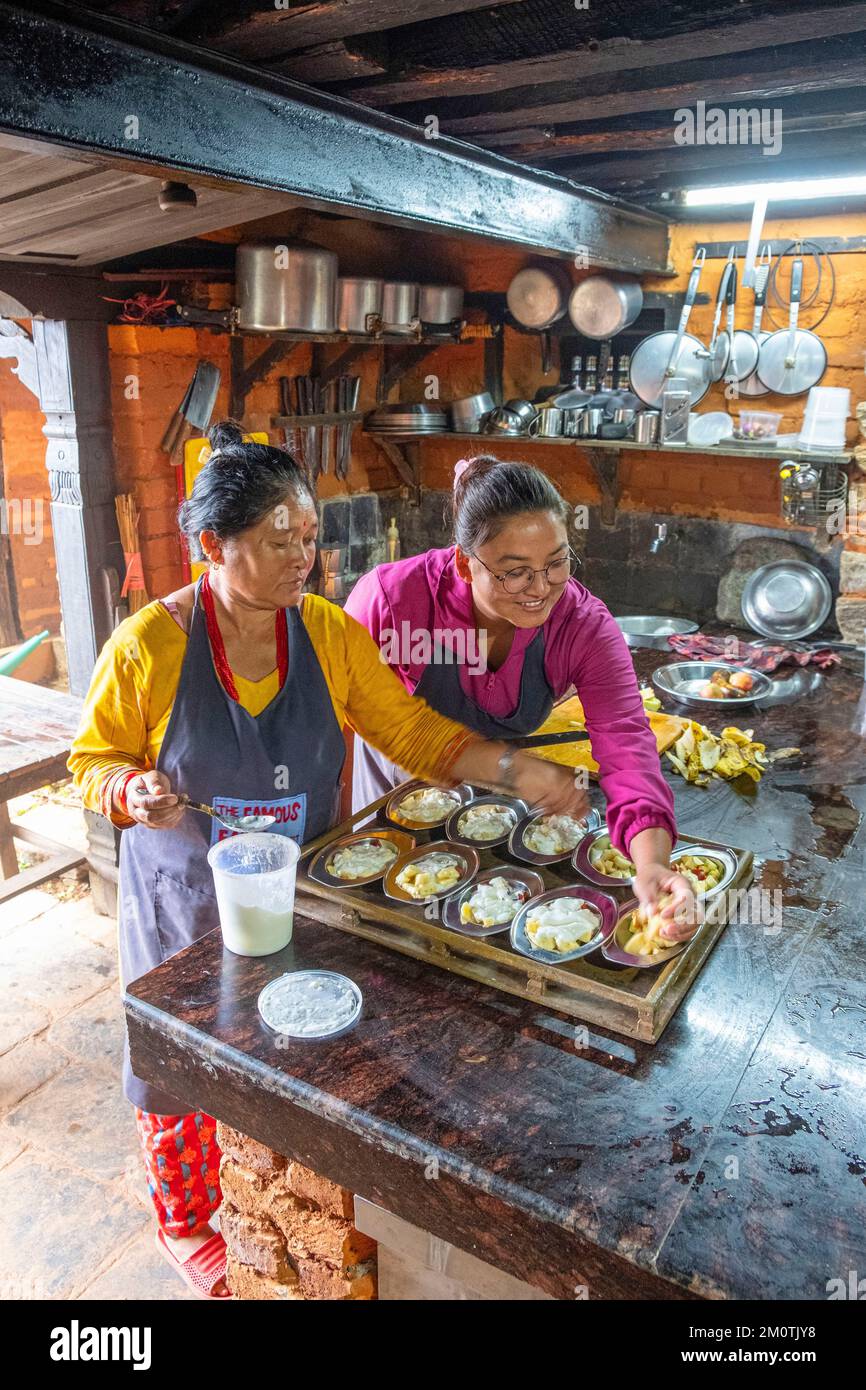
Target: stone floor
[(77, 1221)]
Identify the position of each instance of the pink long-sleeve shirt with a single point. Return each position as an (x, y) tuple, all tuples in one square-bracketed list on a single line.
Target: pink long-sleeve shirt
[(583, 648)]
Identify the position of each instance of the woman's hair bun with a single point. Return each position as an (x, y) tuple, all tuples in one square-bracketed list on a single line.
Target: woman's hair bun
[(225, 434), (488, 492)]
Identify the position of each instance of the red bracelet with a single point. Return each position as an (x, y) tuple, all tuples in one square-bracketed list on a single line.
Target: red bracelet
[(119, 787)]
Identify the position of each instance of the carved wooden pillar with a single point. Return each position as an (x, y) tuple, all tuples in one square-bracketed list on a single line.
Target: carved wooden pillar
[(73, 380)]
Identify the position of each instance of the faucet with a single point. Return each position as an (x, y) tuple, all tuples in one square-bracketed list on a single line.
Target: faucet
[(660, 537)]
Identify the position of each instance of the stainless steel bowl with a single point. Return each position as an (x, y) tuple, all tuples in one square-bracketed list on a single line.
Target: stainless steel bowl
[(683, 679), (647, 630), (469, 413), (786, 600)]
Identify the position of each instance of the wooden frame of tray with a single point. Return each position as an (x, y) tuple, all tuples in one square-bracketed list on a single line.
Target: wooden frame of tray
[(637, 1003)]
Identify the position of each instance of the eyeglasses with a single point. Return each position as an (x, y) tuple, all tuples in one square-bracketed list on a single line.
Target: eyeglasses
[(519, 580)]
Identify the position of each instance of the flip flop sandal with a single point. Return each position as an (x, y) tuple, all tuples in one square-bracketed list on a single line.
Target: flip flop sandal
[(204, 1268)]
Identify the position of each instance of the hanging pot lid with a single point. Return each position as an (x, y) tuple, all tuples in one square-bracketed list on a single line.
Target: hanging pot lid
[(792, 360), (742, 346), (662, 356), (752, 385)]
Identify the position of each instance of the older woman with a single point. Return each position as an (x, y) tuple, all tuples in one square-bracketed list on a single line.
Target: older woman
[(513, 632), (236, 689)]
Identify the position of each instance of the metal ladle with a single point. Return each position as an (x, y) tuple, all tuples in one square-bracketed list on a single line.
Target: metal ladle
[(248, 823)]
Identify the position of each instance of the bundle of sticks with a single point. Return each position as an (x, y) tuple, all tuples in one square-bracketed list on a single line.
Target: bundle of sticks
[(127, 523)]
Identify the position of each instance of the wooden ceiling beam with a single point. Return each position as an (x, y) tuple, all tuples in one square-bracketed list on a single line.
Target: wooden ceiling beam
[(264, 31), (679, 168), (541, 148), (336, 61), (763, 82), (619, 54)]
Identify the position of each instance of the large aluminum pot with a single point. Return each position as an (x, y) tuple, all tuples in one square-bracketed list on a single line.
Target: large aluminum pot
[(600, 307), (400, 305), (359, 301), (440, 303), (285, 286)]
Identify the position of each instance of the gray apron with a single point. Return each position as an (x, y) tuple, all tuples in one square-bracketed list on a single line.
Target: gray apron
[(373, 775), (287, 760)]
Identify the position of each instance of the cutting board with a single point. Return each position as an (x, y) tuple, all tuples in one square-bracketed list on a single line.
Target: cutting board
[(569, 715)]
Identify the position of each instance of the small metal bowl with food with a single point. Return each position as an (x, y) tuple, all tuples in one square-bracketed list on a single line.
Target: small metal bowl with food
[(363, 857), (703, 684), (490, 903), (431, 871), (486, 821), (708, 868), (418, 806), (596, 860), (636, 939), (564, 924), (546, 839)]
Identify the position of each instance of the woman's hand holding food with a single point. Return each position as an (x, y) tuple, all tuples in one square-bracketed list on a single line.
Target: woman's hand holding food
[(659, 889), (151, 801)]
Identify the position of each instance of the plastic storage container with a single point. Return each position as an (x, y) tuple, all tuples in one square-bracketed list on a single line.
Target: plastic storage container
[(827, 410), (254, 877), (757, 427)]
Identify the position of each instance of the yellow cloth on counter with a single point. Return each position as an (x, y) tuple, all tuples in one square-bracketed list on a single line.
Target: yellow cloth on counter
[(135, 680)]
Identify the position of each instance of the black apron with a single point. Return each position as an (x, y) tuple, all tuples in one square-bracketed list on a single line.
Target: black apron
[(373, 775), (285, 761)]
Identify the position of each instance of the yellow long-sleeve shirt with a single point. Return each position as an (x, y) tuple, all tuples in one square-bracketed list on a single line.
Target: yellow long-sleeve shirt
[(135, 680)]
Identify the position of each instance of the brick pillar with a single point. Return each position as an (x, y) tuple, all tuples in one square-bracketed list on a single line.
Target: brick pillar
[(289, 1232)]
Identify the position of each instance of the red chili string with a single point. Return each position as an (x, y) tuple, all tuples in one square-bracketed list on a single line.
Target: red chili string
[(218, 649)]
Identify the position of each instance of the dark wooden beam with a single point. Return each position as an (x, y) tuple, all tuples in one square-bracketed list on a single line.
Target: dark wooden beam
[(205, 114), (557, 147), (337, 61), (700, 82), (679, 166), (264, 31), (618, 54)]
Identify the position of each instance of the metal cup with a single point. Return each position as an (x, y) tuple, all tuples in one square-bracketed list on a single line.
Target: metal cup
[(646, 427), (548, 424), (571, 418), (590, 422)]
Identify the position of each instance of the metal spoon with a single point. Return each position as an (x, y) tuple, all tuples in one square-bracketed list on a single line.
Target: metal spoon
[(230, 822)]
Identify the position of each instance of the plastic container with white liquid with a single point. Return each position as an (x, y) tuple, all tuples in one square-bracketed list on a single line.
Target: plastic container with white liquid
[(254, 877)]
